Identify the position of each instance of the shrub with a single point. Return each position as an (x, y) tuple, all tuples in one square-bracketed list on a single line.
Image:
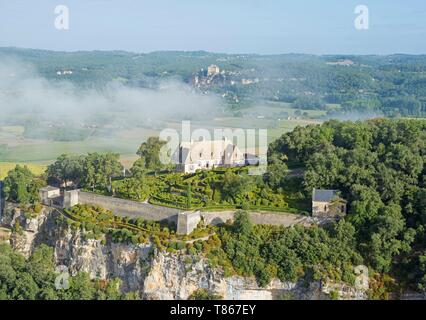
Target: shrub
[(203, 294), (37, 208), (180, 245)]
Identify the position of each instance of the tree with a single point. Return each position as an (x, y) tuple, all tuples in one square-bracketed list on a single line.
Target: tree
[(81, 287), (150, 152), (189, 196), (65, 169), (242, 223), (379, 167), (99, 169), (112, 167), (41, 265), (385, 242), (234, 186), (138, 169), (22, 186), (277, 172), (324, 169), (25, 288)]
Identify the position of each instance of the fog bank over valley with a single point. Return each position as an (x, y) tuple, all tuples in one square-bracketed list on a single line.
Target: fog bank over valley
[(26, 97)]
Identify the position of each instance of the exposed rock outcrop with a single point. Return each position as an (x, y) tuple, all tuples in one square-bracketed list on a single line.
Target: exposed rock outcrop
[(178, 276), (155, 275)]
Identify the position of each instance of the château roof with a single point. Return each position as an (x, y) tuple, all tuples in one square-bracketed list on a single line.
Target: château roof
[(207, 149)]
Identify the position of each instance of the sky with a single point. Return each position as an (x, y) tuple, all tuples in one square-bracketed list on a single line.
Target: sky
[(226, 26)]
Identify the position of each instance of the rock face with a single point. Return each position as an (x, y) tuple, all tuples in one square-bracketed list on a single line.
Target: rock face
[(155, 275), (103, 261), (176, 277), (26, 228)]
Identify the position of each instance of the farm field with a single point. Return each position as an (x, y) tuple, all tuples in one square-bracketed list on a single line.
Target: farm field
[(5, 167), (16, 148)]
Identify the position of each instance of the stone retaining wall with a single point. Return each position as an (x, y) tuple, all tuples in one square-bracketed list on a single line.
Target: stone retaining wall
[(128, 208), (278, 219)]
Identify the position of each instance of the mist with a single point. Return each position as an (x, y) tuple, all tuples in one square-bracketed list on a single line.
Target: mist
[(354, 116), (25, 94)]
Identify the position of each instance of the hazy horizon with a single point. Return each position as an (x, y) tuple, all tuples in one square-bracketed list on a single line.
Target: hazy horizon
[(237, 27), (216, 52)]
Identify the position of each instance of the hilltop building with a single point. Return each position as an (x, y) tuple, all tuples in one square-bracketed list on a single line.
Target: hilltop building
[(213, 70), (206, 155), (327, 203)]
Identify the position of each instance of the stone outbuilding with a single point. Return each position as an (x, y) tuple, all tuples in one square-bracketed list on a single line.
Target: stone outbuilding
[(50, 196), (187, 222), (53, 197), (327, 203)]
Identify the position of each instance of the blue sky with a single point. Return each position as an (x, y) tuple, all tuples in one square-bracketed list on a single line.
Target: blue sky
[(231, 26)]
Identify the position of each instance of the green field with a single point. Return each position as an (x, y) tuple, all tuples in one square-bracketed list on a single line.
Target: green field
[(20, 149), (5, 167), (16, 148)]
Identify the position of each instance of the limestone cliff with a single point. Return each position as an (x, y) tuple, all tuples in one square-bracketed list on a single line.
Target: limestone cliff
[(177, 276), (156, 275)]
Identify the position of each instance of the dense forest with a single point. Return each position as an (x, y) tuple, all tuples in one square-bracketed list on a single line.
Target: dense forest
[(379, 167), (392, 85)]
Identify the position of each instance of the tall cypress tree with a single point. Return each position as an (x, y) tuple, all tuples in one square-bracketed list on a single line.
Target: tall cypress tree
[(188, 196)]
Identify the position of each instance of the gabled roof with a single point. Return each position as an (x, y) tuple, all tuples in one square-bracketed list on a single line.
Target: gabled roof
[(322, 195), (207, 149)]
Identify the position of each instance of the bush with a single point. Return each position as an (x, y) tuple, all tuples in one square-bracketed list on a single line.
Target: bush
[(203, 294), (37, 208), (180, 245)]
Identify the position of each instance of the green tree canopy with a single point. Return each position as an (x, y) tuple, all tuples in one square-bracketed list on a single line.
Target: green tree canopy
[(22, 186), (150, 152)]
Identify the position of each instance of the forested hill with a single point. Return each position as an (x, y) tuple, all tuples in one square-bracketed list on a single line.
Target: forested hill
[(379, 166), (393, 85)]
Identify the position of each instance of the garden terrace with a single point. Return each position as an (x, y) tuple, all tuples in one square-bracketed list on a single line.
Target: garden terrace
[(217, 189), (98, 222)]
